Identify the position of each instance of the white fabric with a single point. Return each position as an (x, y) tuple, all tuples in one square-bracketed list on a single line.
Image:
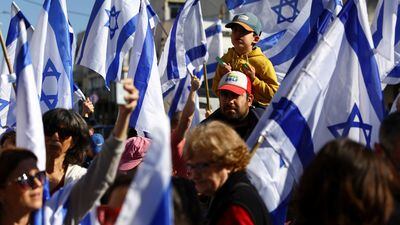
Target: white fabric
[(52, 60), (7, 93), (73, 173), (150, 192), (189, 34), (327, 97), (29, 131), (108, 37)]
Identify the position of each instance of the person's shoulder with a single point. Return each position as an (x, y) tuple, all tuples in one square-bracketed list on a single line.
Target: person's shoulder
[(216, 115), (74, 172)]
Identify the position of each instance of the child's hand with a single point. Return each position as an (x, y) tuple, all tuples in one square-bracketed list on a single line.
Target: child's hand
[(226, 68), (250, 71)]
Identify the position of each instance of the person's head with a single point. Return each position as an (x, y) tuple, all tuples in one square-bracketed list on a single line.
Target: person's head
[(65, 133), (389, 139), (135, 150), (113, 200), (8, 139), (246, 31), (20, 181), (345, 184), (212, 152), (235, 95)]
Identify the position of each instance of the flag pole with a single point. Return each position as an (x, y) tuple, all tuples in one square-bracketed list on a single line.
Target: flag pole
[(259, 142), (3, 46), (206, 84), (6, 57)]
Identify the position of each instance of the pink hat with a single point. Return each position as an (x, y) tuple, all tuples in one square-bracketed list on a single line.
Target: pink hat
[(236, 82), (135, 150)]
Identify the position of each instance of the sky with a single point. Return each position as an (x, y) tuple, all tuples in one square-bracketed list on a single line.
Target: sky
[(78, 12)]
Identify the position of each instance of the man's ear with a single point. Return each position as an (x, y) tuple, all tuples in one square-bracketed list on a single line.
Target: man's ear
[(256, 39), (250, 99)]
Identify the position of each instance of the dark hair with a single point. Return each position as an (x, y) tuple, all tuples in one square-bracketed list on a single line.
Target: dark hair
[(345, 184), (121, 180), (6, 135), (389, 133), (10, 159), (67, 119)]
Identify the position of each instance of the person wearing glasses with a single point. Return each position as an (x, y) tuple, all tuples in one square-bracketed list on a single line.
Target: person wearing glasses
[(216, 158), (21, 187), (77, 197), (67, 139)]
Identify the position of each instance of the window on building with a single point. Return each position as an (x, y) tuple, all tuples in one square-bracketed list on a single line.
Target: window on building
[(174, 8)]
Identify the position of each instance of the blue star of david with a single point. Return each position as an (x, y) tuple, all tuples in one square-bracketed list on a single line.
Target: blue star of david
[(112, 22), (353, 121), (281, 161), (3, 104), (50, 71), (278, 9)]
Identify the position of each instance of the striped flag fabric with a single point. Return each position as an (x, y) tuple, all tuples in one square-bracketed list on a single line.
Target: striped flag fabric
[(108, 37), (186, 45), (52, 56), (322, 100), (148, 200), (386, 35), (383, 29), (214, 47), (286, 27), (7, 93)]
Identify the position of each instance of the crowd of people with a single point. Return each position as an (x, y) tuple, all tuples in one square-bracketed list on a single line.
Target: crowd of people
[(345, 184)]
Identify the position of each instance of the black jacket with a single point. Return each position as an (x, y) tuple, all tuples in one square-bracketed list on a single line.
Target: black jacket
[(238, 190), (243, 127)]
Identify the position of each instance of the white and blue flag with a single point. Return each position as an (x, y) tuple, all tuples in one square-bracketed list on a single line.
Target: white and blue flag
[(335, 93), (186, 45), (144, 72), (214, 47), (7, 93), (286, 27), (175, 99), (148, 200), (384, 34), (108, 37), (52, 56), (30, 134)]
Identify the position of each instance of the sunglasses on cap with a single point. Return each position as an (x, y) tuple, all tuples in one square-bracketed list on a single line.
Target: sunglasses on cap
[(27, 181), (63, 133), (107, 215)]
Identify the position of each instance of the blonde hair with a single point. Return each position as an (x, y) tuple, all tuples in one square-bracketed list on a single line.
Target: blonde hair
[(218, 142)]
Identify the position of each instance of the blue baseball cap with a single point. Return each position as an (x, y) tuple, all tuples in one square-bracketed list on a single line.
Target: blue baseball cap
[(248, 21), (97, 142)]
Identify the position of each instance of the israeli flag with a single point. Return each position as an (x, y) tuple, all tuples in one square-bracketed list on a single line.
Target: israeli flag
[(386, 35), (214, 47), (78, 94), (175, 99), (153, 17), (149, 197), (7, 93), (286, 27), (383, 29), (52, 56), (144, 72), (108, 37), (320, 101), (186, 45), (30, 134)]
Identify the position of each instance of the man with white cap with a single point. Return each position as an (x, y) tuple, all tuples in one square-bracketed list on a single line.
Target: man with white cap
[(235, 104)]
